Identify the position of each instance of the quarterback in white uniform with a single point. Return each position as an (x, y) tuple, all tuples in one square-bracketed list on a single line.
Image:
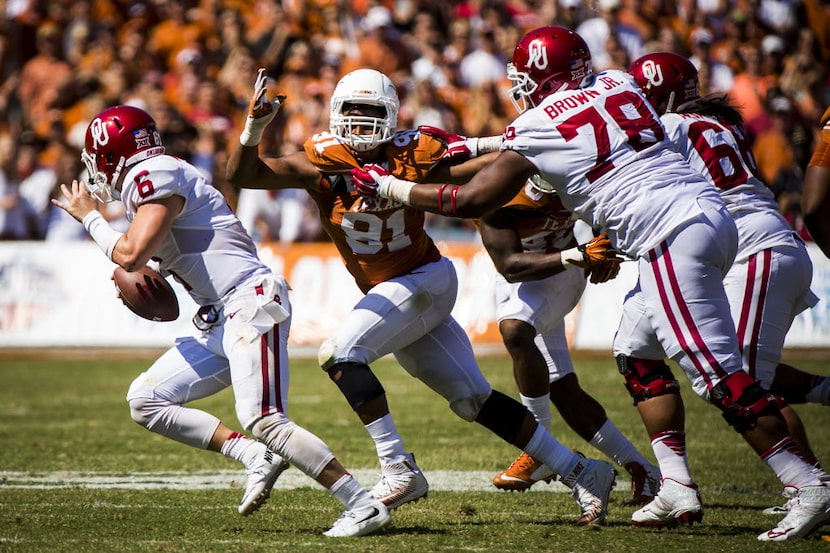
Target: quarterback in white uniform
[(603, 149), (184, 224)]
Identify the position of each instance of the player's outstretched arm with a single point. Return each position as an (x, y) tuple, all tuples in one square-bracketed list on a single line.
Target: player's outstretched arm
[(489, 189)]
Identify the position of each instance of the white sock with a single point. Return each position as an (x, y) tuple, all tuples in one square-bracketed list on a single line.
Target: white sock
[(349, 492), (241, 448), (388, 442), (784, 460), (670, 451), (544, 447), (540, 408), (610, 441)]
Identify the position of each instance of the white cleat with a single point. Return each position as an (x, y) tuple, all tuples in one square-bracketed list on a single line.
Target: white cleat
[(809, 510), (789, 494), (262, 475), (400, 483), (591, 488), (360, 521), (674, 505)]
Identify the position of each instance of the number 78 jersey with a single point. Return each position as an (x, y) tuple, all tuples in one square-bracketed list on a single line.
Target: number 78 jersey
[(604, 150)]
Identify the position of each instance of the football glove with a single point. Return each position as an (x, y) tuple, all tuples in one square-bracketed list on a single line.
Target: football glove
[(261, 111), (459, 148), (598, 250), (367, 179), (603, 272), (372, 181)]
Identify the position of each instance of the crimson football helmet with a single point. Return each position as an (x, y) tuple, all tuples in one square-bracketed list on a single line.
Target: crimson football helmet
[(547, 60), (364, 87), (667, 80), (116, 139)]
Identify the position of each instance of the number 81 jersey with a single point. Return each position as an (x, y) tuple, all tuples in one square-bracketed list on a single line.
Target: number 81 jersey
[(378, 239)]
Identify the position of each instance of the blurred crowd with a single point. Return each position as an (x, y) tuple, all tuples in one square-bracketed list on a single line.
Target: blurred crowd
[(192, 65)]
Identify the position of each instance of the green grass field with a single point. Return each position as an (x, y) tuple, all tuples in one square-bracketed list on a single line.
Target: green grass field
[(61, 419)]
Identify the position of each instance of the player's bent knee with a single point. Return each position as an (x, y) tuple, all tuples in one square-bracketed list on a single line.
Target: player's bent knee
[(502, 415), (646, 378), (469, 407), (517, 334), (357, 383), (743, 400), (144, 411)]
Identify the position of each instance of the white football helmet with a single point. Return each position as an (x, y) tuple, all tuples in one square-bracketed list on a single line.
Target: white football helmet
[(370, 88)]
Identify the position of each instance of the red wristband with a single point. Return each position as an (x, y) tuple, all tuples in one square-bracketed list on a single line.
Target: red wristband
[(441, 198)]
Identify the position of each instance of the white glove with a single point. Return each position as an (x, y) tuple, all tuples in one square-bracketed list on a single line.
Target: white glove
[(260, 111)]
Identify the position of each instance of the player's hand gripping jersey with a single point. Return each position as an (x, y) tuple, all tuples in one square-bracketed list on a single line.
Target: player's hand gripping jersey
[(378, 239)]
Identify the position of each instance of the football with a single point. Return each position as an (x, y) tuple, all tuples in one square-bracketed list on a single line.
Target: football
[(147, 294)]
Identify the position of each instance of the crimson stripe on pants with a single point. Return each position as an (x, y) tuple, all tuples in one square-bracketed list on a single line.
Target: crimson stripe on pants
[(763, 287), (673, 286), (265, 366)]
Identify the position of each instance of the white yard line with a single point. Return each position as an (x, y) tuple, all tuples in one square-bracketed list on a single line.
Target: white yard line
[(439, 480)]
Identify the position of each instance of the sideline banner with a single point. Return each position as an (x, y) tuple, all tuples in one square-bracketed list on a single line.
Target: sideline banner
[(61, 295)]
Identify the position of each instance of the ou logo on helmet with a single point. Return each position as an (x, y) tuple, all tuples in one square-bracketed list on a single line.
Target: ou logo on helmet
[(99, 133), (653, 73), (537, 54)]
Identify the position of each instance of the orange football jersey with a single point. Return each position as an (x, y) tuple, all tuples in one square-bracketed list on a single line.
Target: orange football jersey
[(542, 222), (821, 155), (378, 239)]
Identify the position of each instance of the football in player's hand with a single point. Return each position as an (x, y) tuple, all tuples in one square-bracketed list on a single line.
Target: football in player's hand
[(147, 294)]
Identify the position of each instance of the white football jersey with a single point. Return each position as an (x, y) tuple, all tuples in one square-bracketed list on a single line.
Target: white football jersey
[(604, 150), (722, 154), (208, 249)]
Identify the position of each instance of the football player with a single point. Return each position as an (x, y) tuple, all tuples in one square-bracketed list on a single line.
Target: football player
[(409, 287), (186, 227), (600, 145), (815, 197), (769, 282), (528, 240)]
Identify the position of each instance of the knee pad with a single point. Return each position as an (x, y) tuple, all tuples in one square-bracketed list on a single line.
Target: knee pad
[(646, 378), (502, 415), (742, 400), (357, 383)]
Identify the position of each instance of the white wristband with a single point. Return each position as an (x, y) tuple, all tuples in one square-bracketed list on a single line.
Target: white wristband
[(101, 232), (484, 145), (395, 189), (252, 133), (568, 257)]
